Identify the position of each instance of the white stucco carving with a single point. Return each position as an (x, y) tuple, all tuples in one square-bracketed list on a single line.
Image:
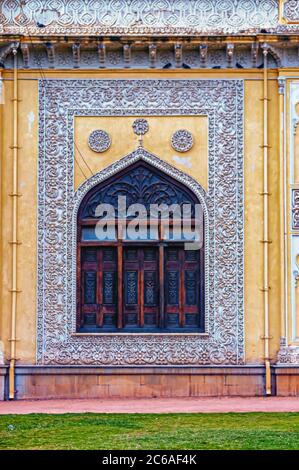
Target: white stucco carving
[(59, 102)]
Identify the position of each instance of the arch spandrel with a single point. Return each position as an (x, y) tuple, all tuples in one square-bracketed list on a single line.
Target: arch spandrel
[(157, 167)]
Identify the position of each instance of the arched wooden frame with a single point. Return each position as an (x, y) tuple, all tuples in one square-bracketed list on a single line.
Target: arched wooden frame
[(166, 265)]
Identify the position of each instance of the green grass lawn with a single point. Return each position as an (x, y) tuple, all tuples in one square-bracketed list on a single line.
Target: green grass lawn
[(150, 431)]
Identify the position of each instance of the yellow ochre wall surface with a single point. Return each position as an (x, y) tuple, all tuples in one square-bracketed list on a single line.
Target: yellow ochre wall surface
[(156, 141)]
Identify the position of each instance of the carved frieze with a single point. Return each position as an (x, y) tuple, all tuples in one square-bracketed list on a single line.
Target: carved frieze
[(114, 55), (59, 102), (141, 17)]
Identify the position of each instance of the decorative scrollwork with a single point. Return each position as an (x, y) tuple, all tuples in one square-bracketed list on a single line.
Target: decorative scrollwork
[(140, 126), (182, 140), (140, 185), (291, 10), (99, 141), (141, 17), (288, 355), (59, 102)]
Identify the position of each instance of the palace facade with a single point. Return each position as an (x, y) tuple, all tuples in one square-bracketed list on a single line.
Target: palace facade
[(158, 103)]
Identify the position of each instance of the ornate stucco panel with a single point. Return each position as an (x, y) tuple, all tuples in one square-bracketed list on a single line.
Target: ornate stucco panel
[(161, 17), (289, 11), (60, 101)]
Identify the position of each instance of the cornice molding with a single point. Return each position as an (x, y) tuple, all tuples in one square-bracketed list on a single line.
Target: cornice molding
[(146, 17)]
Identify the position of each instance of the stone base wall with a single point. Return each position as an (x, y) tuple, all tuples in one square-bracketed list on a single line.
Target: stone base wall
[(40, 382), (287, 381), (46, 382)]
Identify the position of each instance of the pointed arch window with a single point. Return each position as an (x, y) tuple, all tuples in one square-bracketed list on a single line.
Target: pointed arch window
[(138, 274)]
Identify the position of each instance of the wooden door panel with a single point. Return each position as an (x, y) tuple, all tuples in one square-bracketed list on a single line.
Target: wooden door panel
[(99, 293), (192, 288), (108, 303), (131, 307), (89, 286), (150, 287), (141, 292), (182, 288), (172, 287), (142, 304)]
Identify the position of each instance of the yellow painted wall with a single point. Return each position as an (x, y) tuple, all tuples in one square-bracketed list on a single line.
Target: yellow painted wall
[(26, 326), (253, 215), (156, 141)]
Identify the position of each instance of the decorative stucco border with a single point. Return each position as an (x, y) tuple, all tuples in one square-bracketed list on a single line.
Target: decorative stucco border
[(145, 17), (60, 101)]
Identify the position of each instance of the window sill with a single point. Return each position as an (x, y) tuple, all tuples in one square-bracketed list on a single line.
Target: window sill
[(139, 331)]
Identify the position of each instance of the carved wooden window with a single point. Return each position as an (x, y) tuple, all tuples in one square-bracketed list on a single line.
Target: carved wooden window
[(151, 284)]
